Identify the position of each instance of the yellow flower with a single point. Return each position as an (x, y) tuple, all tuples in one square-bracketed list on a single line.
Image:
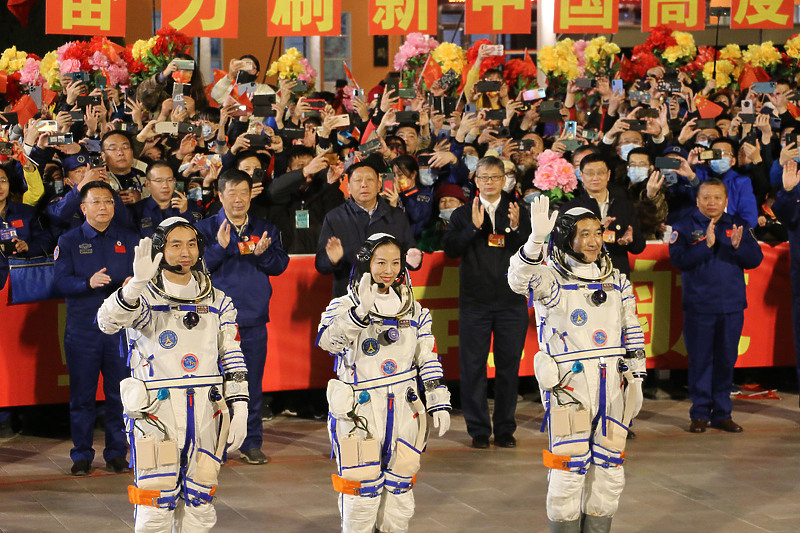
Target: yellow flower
[(49, 69), (724, 71), (12, 60), (762, 55), (793, 47), (731, 51), (450, 56), (141, 47)]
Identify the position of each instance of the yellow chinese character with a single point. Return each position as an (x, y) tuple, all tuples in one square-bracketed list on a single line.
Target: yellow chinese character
[(765, 11), (300, 13), (400, 13), (587, 13), (673, 11), (216, 22), (95, 13), (497, 9)]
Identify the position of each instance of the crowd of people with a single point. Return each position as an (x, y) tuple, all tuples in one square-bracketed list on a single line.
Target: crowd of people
[(297, 171)]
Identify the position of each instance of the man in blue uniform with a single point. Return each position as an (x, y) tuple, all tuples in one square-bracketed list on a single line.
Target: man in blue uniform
[(92, 261), (243, 252), (164, 201), (711, 249), (787, 211)]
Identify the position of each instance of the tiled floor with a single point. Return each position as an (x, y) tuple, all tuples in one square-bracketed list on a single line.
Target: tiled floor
[(676, 481)]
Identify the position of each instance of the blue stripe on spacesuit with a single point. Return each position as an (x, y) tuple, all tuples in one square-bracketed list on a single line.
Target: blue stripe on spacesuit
[(386, 453)]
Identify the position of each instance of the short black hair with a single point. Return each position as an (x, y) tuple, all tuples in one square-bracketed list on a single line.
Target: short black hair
[(254, 60), (247, 154), (95, 185), (727, 140), (115, 132), (594, 158), (641, 151), (158, 164), (234, 177), (362, 164), (586, 148), (713, 182), (299, 150)]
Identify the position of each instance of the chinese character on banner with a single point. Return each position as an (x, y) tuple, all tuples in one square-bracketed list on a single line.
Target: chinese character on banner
[(304, 17), (682, 15), (202, 18), (762, 14), (497, 16), (400, 17), (86, 17), (587, 16)]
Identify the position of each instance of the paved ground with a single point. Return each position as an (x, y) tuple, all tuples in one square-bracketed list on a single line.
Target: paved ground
[(676, 481)]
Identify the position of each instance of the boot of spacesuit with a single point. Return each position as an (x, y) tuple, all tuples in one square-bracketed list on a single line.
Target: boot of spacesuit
[(568, 526), (596, 524)]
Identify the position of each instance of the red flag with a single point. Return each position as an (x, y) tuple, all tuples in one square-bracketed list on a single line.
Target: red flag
[(243, 100), (48, 96), (752, 75), (464, 74), (3, 82), (431, 72), (706, 108), (350, 75), (218, 75), (793, 109), (25, 109), (21, 9)]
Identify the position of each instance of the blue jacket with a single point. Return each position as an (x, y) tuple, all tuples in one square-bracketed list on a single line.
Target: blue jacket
[(713, 278), (147, 215), (787, 211), (80, 253), (245, 278), (23, 218), (64, 212), (418, 205), (741, 198)]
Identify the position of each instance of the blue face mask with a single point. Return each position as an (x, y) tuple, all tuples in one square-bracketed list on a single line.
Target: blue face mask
[(578, 173), (195, 195), (626, 148), (445, 214), (637, 174), (531, 196), (471, 161), (207, 132), (427, 177), (703, 143), (720, 166)]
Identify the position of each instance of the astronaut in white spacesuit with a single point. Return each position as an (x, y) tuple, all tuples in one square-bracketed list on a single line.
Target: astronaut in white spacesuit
[(180, 331), (381, 338), (590, 365)]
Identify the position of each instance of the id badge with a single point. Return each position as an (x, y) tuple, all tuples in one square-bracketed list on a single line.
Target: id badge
[(7, 234), (248, 245), (301, 219), (497, 240), (609, 236)]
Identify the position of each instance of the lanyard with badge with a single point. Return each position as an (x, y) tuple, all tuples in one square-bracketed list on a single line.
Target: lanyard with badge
[(7, 233), (247, 243), (301, 217)]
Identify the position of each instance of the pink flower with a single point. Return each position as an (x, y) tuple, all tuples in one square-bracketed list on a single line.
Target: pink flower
[(580, 53), (554, 171), (309, 74), (69, 65), (30, 72), (118, 74), (61, 50), (416, 44), (347, 100), (98, 61), (548, 156)]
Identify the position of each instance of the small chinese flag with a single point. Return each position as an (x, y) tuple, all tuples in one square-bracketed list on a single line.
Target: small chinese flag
[(752, 75), (25, 109), (350, 75), (706, 108), (48, 96), (793, 109), (431, 72), (3, 82)]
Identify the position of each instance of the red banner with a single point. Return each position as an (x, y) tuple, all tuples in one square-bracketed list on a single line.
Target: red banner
[(497, 16), (587, 16), (401, 17), (684, 15), (86, 17), (776, 14), (304, 17), (33, 369), (202, 18)]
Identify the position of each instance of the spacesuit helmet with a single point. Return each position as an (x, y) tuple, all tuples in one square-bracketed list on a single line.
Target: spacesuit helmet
[(563, 234), (161, 234), (401, 285)]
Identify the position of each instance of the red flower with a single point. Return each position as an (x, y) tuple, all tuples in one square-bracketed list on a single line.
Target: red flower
[(489, 62), (661, 38)]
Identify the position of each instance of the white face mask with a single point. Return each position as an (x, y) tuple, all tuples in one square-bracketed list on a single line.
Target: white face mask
[(445, 214), (511, 182), (471, 162), (625, 149), (427, 177), (637, 174)]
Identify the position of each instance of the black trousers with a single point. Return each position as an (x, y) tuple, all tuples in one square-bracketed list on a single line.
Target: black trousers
[(477, 326)]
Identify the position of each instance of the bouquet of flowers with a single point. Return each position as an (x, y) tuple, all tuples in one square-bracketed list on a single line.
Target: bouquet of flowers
[(293, 66), (520, 74), (767, 56), (726, 72), (559, 63), (146, 58), (450, 57), (12, 63), (680, 53), (642, 60), (601, 57), (489, 62), (555, 176), (412, 55), (695, 69)]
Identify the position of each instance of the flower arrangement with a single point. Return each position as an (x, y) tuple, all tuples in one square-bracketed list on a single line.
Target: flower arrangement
[(726, 72), (145, 58), (637, 66), (694, 69), (764, 55), (293, 66), (680, 53), (450, 57), (488, 62), (559, 62), (12, 60), (600, 56), (48, 68), (555, 176), (520, 74), (30, 73), (412, 55)]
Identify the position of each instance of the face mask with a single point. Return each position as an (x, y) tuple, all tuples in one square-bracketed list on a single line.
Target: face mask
[(578, 173), (195, 195), (637, 174), (720, 166), (626, 148), (445, 214), (58, 186), (426, 177), (207, 132), (510, 183), (531, 196), (703, 143), (471, 161)]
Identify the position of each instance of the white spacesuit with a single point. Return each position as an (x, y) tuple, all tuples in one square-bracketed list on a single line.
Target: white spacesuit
[(590, 366), (377, 423), (179, 337)]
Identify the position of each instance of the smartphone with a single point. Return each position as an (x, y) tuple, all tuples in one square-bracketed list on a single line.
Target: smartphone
[(262, 105), (81, 76), (617, 87), (668, 163), (409, 93), (184, 64), (47, 126), (258, 141), (637, 125), (128, 127), (100, 82), (9, 119), (586, 83), (705, 123), (571, 128), (669, 86), (748, 118), (589, 135), (407, 117), (59, 139), (747, 107), (775, 123), (488, 86), (443, 104), (358, 93), (639, 96), (763, 87), (370, 147), (84, 101), (495, 114), (301, 87), (294, 133), (571, 144), (791, 138), (707, 155), (96, 161), (493, 49), (93, 146), (388, 181), (551, 105), (316, 104), (243, 78), (187, 128), (648, 112), (470, 108), (179, 186), (534, 94), (340, 121), (258, 176), (6, 148), (526, 145), (424, 160), (77, 116), (166, 128)]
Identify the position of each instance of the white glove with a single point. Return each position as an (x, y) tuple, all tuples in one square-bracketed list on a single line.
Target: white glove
[(367, 293), (636, 397), (238, 430), (542, 223), (441, 420), (145, 267)]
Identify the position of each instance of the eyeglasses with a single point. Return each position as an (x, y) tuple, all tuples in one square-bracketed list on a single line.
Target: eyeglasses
[(485, 179)]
